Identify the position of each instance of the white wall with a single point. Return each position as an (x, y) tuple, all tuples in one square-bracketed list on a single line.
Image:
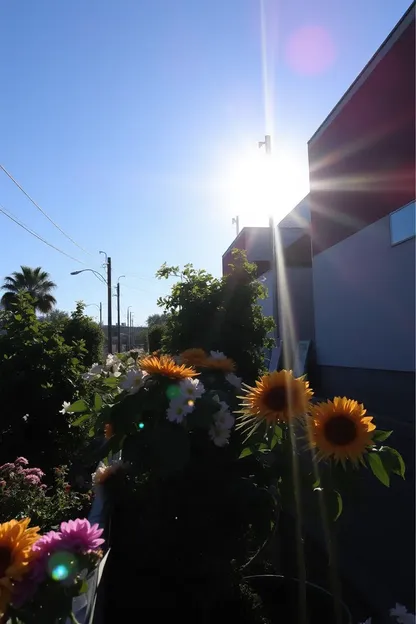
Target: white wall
[(364, 296)]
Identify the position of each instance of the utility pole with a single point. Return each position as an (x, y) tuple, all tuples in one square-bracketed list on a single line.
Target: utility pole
[(109, 303), (110, 314), (118, 319), (267, 143), (101, 314), (118, 315), (236, 221), (132, 329)]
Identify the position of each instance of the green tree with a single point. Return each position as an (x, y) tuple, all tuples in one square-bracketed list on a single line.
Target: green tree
[(156, 319), (218, 314), (38, 372), (81, 327), (36, 282), (156, 333)]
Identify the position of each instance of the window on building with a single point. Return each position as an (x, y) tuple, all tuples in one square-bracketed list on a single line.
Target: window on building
[(403, 223)]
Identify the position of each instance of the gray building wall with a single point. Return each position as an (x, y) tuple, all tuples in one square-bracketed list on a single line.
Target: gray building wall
[(364, 295)]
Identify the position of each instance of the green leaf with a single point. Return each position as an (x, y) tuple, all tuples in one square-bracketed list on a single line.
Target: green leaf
[(112, 382), (392, 461), (278, 435), (91, 432), (380, 436), (245, 452), (98, 402), (378, 469), (18, 317), (78, 406), (78, 421)]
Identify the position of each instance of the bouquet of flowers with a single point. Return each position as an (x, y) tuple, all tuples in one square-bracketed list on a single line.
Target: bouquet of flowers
[(40, 575), (207, 463)]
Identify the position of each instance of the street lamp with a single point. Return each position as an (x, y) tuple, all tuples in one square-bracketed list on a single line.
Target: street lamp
[(108, 284), (118, 314), (96, 273), (267, 144), (100, 307)]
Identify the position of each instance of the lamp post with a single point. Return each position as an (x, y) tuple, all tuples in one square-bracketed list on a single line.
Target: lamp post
[(109, 302), (100, 307), (267, 144), (118, 314), (108, 284), (128, 327)]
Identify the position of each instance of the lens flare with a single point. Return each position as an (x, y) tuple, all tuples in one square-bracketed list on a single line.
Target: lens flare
[(62, 566), (173, 391), (191, 403), (141, 425)]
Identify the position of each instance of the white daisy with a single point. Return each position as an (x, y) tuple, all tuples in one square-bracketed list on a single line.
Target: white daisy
[(93, 373), (191, 388), (219, 436), (64, 409), (218, 355), (178, 409), (133, 381), (223, 419), (234, 380)]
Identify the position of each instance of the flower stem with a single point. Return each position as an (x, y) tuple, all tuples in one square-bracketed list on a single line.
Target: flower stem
[(73, 618)]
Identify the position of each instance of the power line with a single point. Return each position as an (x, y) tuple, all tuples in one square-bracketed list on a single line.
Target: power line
[(22, 225), (9, 175)]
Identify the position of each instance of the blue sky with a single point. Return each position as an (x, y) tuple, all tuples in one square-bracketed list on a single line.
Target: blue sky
[(131, 123)]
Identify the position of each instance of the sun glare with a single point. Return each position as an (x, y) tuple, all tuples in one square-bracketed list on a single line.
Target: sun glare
[(258, 185)]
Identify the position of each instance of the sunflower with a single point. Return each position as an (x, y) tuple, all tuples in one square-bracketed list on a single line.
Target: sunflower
[(226, 365), (166, 366), (16, 541), (278, 396), (340, 429), (193, 357)]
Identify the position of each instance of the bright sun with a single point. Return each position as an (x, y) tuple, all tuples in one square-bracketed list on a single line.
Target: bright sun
[(257, 185)]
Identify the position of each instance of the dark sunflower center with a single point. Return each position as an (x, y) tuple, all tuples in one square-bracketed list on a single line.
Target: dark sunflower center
[(5, 560), (340, 430), (276, 398)]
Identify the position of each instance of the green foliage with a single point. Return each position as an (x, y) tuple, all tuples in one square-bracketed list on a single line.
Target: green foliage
[(156, 319), (218, 314), (23, 494), (156, 333), (38, 371), (35, 282), (80, 327)]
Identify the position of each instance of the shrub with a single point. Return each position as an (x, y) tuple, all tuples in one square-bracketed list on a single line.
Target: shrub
[(156, 333), (38, 371), (80, 327), (218, 314), (23, 493)]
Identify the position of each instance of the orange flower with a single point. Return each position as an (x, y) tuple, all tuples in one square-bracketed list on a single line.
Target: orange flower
[(166, 366), (193, 357)]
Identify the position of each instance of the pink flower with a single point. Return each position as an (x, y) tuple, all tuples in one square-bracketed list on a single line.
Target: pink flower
[(44, 547), (3, 483), (34, 471), (21, 460), (6, 467), (32, 479), (79, 536)]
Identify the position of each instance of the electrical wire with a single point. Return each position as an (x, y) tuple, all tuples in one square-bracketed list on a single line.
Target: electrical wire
[(9, 175), (25, 227)]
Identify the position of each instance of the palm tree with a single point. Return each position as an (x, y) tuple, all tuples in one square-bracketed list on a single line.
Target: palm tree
[(33, 281)]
